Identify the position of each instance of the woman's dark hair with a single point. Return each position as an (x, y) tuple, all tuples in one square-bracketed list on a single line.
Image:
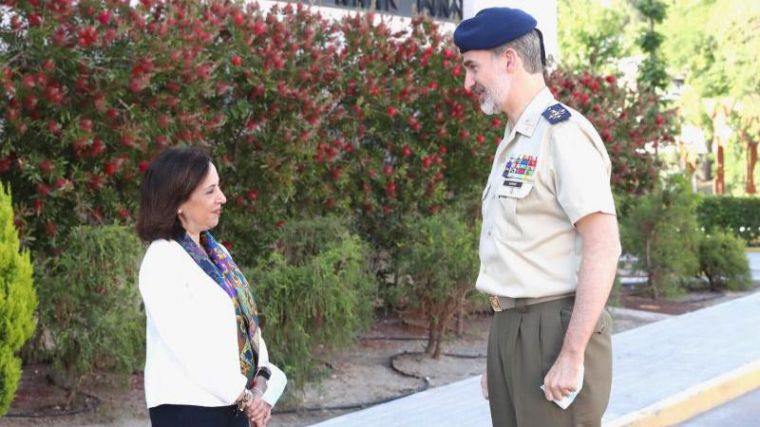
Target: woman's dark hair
[(167, 184)]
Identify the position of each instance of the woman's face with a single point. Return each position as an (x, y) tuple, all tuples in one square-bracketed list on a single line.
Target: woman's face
[(202, 210)]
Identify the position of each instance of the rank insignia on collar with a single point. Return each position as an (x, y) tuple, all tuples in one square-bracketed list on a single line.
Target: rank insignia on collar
[(556, 113)]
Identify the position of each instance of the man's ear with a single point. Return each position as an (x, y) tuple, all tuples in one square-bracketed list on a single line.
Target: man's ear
[(511, 60)]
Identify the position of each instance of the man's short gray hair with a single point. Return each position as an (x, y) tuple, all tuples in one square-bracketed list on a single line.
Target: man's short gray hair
[(528, 47)]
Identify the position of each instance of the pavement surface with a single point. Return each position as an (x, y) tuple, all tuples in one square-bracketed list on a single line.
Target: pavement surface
[(743, 411), (664, 373)]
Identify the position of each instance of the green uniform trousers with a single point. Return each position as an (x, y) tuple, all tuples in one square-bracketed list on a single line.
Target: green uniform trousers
[(523, 344)]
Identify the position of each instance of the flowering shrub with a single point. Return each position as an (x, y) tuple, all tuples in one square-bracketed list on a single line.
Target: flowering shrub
[(631, 124), (303, 115)]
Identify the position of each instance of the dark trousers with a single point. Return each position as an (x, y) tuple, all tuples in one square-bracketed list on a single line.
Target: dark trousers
[(197, 416), (522, 346)]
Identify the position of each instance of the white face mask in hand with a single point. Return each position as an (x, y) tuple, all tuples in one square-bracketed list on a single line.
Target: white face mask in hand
[(567, 400)]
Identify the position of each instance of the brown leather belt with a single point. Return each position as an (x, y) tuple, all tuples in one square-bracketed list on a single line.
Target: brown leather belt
[(506, 303)]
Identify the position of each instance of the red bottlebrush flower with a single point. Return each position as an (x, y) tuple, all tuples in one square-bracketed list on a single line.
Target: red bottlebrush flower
[(85, 125), (252, 194), (611, 79), (34, 19), (427, 161), (336, 173), (60, 183), (110, 168), (79, 146), (387, 210), (51, 229), (406, 151), (96, 182), (143, 166), (127, 141), (606, 135), (280, 224), (392, 111), (161, 141), (442, 150), (448, 53), (659, 119), (238, 19), (87, 36), (112, 113), (414, 124), (12, 115), (457, 71), (43, 190), (259, 28), (46, 166), (480, 138), (124, 213), (5, 165), (387, 170), (390, 189), (236, 60), (54, 94), (136, 85), (164, 121), (29, 81), (173, 87), (30, 103), (227, 244), (104, 17)]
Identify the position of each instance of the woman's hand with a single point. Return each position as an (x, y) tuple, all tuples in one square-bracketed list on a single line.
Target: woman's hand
[(264, 420), (258, 411)]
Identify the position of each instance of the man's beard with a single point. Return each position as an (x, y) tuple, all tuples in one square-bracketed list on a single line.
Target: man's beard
[(489, 105)]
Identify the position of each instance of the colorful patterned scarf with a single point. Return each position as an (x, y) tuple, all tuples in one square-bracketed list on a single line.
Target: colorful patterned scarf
[(218, 264)]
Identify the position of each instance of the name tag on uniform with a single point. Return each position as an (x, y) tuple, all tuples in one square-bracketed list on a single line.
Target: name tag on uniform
[(515, 184)]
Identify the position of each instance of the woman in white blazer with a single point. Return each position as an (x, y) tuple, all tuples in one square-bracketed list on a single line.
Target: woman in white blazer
[(206, 361)]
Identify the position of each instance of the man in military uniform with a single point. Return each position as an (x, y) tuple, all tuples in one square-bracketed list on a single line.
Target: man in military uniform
[(549, 243)]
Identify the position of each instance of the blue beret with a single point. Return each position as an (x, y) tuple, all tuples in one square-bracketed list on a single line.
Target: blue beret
[(492, 28)]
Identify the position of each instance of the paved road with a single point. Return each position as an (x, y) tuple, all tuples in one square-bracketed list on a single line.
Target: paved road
[(741, 412)]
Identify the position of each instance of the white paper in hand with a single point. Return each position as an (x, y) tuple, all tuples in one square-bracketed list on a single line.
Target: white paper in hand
[(567, 400)]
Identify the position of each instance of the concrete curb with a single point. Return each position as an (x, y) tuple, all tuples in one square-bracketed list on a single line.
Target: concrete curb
[(694, 400)]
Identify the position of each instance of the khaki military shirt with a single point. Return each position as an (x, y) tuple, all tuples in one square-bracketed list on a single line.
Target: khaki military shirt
[(548, 173)]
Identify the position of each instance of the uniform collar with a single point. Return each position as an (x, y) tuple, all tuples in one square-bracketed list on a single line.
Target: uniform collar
[(529, 118)]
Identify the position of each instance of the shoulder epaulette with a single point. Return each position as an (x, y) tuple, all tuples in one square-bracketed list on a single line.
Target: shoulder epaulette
[(556, 114)]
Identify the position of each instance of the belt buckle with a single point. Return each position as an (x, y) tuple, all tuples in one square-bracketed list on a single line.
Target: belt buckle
[(495, 303)]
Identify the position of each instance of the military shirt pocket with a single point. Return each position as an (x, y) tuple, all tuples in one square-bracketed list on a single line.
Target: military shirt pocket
[(508, 198)]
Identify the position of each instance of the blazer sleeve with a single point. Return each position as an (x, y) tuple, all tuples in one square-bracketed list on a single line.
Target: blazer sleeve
[(199, 335)]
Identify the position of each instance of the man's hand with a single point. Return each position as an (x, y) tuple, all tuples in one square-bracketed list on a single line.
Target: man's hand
[(484, 386), (562, 378), (601, 250)]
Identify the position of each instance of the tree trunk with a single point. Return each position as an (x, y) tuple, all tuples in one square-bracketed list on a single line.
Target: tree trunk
[(431, 344), (751, 162), (720, 183)]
